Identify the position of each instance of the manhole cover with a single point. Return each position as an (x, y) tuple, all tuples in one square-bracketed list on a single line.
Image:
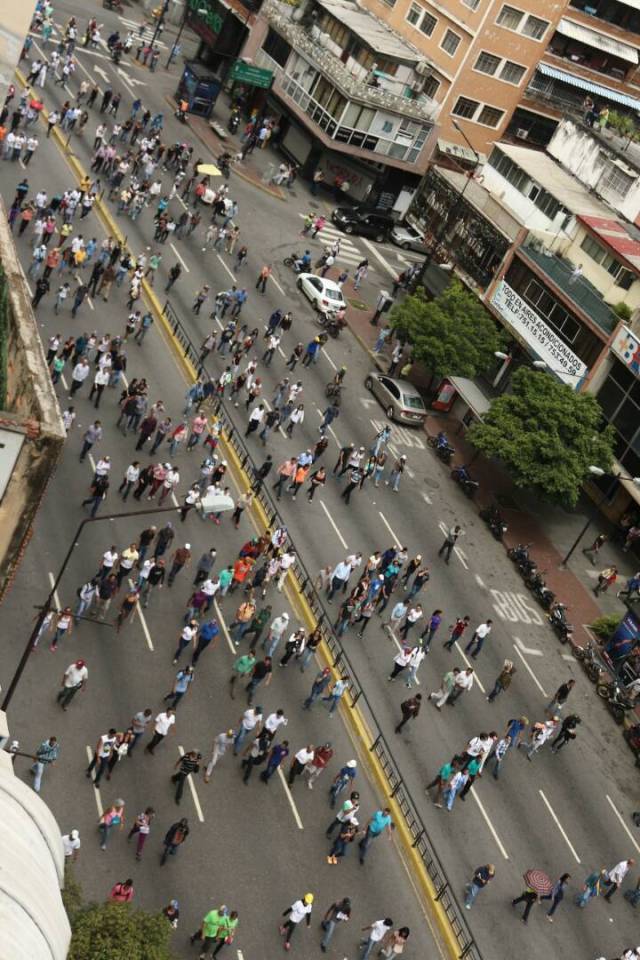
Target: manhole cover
[(358, 304)]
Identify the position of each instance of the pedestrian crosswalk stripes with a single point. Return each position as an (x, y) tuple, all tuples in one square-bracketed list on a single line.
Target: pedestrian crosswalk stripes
[(147, 33), (349, 252)]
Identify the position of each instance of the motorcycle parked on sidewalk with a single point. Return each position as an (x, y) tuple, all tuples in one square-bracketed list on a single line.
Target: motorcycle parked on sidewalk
[(461, 475), (234, 121), (492, 516), (536, 583), (618, 702), (588, 658), (442, 447), (558, 620)]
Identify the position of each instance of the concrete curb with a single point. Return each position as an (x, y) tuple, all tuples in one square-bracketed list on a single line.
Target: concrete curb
[(356, 725)]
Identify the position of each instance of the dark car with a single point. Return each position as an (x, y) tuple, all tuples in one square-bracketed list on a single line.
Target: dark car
[(365, 223)]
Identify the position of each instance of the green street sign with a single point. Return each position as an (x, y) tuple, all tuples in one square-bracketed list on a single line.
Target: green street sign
[(254, 76)]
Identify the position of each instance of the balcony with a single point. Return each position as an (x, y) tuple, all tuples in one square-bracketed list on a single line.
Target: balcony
[(618, 16), (582, 293), (349, 85)]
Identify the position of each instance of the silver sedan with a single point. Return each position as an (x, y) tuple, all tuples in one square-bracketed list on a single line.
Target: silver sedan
[(400, 399)]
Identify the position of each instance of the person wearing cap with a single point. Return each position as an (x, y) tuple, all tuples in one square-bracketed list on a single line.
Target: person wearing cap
[(172, 913), (276, 632), (301, 759), (181, 558), (342, 779), (220, 745), (74, 679), (321, 757), (298, 911), (71, 845)]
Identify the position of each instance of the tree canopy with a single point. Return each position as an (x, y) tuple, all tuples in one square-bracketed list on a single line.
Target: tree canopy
[(117, 931), (547, 435), (452, 335)]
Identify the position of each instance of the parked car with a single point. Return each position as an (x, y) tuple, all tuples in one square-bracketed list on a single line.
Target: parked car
[(324, 294), (408, 237), (365, 223), (400, 399)]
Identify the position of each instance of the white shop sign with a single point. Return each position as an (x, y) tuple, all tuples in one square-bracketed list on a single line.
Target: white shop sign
[(530, 328)]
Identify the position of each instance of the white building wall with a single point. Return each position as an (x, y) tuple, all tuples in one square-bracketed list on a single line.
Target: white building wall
[(33, 921), (522, 207)]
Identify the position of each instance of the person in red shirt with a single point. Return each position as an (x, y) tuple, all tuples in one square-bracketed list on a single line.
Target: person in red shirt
[(241, 569)]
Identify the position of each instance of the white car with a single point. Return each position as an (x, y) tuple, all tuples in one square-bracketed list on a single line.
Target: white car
[(408, 237), (324, 294)]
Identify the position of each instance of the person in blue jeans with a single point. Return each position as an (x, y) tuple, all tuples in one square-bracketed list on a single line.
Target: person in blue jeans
[(378, 824), (377, 932), (481, 877), (335, 694), (557, 895)]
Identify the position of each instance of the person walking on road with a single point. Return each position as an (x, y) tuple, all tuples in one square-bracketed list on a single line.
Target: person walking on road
[(616, 875), (528, 897), (593, 887), (447, 687), (220, 746), (377, 930), (339, 912), (450, 540), (163, 725), (379, 823), (141, 830), (174, 838), (567, 732), (480, 879), (46, 755), (410, 709), (276, 758), (299, 911), (593, 551), (456, 631), (560, 698), (503, 680), (557, 895), (101, 755), (441, 781), (186, 766), (303, 757), (480, 634), (74, 679)]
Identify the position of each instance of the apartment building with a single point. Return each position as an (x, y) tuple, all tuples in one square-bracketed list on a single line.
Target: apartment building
[(592, 52), (482, 53)]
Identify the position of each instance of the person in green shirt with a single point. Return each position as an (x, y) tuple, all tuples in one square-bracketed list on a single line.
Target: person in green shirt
[(258, 624), (441, 781), (226, 932), (241, 668), (225, 577), (209, 929), (473, 769)]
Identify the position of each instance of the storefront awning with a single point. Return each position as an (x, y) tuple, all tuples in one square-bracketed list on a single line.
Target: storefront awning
[(472, 395), (593, 38), (575, 80)]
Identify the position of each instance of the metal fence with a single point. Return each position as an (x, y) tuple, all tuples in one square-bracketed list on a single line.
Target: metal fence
[(379, 745)]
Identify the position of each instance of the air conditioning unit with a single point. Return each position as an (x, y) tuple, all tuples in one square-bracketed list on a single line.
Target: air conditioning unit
[(522, 134), (424, 68)]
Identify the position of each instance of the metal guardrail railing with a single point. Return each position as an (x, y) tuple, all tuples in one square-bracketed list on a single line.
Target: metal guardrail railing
[(398, 789)]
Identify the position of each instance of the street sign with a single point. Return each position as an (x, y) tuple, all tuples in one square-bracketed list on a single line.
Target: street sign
[(254, 76)]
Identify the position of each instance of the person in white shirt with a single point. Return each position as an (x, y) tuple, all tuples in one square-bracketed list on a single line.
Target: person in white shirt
[(463, 682), (74, 679), (339, 579), (400, 662), (80, 373), (417, 656), (109, 558), (131, 475), (71, 845), (251, 720), (539, 734), (480, 634), (299, 762), (287, 560), (163, 725), (616, 875), (298, 911), (377, 932), (273, 722), (103, 466), (276, 632), (413, 615), (220, 745)]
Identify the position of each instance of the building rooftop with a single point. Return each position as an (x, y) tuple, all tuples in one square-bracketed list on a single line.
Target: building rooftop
[(373, 32), (622, 237), (560, 184), (483, 201), (580, 292)]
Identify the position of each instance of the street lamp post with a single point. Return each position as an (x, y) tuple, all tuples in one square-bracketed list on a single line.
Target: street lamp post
[(597, 472), (420, 275), (160, 22), (46, 607), (201, 11)]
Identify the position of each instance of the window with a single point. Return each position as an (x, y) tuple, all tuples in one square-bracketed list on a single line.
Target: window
[(428, 24), (552, 311), (616, 181), (535, 27), (415, 12), (450, 42), (487, 63), (623, 278), (512, 72), (472, 4), (465, 107), (490, 116), (509, 170), (431, 87), (276, 47), (509, 17)]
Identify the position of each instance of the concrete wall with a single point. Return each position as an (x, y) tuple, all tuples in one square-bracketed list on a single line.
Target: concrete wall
[(31, 411), (33, 921), (523, 208), (587, 159), (16, 19)]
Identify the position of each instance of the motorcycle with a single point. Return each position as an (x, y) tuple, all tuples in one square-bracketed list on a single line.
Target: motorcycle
[(180, 115), (619, 704), (587, 657), (234, 121), (440, 440), (113, 5), (116, 54), (294, 262), (333, 321), (492, 516), (224, 164), (519, 553), (461, 476), (441, 445), (558, 619)]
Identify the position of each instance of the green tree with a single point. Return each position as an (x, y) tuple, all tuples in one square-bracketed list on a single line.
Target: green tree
[(452, 335), (113, 931), (546, 434)]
